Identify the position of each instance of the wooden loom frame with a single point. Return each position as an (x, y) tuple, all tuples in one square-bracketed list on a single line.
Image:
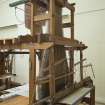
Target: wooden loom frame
[(70, 44)]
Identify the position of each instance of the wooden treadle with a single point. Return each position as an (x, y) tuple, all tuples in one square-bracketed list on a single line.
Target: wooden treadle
[(76, 96)]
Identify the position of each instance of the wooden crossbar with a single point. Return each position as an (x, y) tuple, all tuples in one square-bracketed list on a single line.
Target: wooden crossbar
[(41, 17)]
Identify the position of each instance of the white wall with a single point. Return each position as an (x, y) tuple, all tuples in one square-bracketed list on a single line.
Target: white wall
[(21, 68), (7, 16), (8, 32), (90, 28)]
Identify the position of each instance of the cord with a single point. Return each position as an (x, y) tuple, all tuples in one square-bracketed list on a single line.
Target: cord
[(91, 11)]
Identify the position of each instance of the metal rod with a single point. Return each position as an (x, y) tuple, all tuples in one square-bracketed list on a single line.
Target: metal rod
[(15, 52), (14, 4)]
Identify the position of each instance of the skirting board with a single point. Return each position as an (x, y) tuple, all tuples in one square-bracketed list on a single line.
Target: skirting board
[(100, 100)]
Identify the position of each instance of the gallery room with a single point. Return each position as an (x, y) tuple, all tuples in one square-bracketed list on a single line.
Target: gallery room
[(52, 52)]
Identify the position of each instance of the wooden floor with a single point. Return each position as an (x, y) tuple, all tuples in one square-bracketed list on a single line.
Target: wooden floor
[(19, 100)]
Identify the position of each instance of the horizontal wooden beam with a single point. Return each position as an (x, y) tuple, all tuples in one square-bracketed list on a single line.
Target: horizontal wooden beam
[(42, 41), (44, 45), (66, 25), (14, 52), (41, 17), (41, 46), (77, 63), (43, 80), (64, 75), (44, 3), (43, 100), (82, 47), (65, 41), (62, 3)]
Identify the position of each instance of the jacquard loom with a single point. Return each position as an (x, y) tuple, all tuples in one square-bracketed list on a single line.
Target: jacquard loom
[(55, 83)]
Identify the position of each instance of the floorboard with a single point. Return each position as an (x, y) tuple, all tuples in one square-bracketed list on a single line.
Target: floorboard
[(19, 100)]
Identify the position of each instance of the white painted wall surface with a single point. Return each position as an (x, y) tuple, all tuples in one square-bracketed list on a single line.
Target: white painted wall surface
[(90, 28), (9, 32), (7, 16)]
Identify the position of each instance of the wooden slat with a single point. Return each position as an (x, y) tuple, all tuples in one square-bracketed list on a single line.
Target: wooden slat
[(60, 61), (43, 80), (42, 100), (32, 77), (43, 45), (81, 65), (55, 64), (77, 63), (40, 82), (92, 96), (72, 22), (65, 75), (41, 17), (44, 3), (65, 41), (82, 46), (66, 25)]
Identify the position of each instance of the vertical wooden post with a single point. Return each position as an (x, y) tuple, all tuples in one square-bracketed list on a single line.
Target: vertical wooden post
[(52, 74), (32, 77), (81, 64), (35, 28), (72, 50), (32, 70), (92, 96), (52, 17), (33, 9), (72, 22)]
